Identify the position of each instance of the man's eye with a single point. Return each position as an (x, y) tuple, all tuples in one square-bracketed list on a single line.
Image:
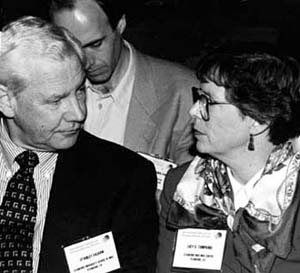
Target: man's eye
[(96, 44), (55, 102)]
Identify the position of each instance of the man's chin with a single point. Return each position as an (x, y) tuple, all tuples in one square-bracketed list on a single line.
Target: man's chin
[(66, 143), (99, 79)]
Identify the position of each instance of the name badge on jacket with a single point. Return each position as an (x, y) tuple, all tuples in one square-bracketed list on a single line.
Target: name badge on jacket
[(199, 249), (93, 255)]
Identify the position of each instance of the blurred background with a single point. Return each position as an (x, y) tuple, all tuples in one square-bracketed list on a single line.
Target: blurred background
[(182, 30)]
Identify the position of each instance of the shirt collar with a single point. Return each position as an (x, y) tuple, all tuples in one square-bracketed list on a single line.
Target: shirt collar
[(119, 95), (248, 187), (10, 150)]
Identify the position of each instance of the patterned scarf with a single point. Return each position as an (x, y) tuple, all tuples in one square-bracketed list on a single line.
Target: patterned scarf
[(262, 230)]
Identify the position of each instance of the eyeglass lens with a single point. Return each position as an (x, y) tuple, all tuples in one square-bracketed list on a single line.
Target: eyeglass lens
[(202, 101), (203, 107)]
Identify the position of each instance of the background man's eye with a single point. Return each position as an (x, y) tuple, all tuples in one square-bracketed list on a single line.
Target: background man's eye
[(97, 44), (55, 102)]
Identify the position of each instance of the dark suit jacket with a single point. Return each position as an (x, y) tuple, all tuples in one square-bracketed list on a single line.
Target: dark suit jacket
[(99, 186)]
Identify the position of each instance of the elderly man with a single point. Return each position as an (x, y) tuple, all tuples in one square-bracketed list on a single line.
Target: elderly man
[(68, 200), (133, 99)]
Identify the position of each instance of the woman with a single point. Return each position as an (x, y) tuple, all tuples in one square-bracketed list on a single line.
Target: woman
[(245, 182)]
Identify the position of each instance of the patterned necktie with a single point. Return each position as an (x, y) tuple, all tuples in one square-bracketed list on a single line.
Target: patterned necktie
[(18, 217)]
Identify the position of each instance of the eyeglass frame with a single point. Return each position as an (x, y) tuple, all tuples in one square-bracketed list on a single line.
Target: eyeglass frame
[(204, 105)]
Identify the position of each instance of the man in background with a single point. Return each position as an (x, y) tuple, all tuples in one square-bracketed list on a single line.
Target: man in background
[(68, 200), (132, 99)]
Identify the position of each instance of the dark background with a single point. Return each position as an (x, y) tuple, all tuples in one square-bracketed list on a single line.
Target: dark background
[(182, 30)]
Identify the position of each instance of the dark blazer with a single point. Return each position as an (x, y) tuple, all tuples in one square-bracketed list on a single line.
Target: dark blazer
[(99, 186), (230, 264), (167, 235)]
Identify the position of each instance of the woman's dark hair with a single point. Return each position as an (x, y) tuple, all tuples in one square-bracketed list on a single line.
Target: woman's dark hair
[(262, 85)]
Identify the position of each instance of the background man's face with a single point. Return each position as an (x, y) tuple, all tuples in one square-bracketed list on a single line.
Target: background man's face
[(49, 113), (101, 43)]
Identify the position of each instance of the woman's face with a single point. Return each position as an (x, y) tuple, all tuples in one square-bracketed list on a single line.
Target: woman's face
[(226, 132)]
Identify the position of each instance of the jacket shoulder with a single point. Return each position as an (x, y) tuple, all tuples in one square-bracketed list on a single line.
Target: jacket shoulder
[(96, 149), (166, 68), (173, 177)]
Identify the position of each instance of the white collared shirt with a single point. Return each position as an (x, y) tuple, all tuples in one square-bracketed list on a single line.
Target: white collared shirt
[(43, 175), (107, 113), (243, 193)]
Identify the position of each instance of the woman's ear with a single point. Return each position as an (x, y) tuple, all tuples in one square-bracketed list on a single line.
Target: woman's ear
[(255, 125), (258, 128), (121, 25), (6, 102)]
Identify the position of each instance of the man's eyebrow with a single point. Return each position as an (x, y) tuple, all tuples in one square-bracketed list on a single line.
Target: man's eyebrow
[(94, 42), (54, 97)]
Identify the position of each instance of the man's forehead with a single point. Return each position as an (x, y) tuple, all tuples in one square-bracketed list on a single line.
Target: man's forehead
[(46, 71), (86, 21), (68, 71), (84, 13), (89, 8)]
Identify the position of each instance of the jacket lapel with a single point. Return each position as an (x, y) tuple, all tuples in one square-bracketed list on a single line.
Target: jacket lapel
[(141, 129), (62, 213)]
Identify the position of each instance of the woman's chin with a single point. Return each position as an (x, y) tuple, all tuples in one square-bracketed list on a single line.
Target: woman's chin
[(201, 147)]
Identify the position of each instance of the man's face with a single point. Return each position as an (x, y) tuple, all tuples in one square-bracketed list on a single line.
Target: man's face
[(49, 113), (101, 43)]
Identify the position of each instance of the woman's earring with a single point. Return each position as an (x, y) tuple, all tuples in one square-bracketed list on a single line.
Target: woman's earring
[(251, 143)]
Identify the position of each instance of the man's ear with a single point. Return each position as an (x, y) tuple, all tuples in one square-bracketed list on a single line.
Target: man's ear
[(6, 102), (121, 25)]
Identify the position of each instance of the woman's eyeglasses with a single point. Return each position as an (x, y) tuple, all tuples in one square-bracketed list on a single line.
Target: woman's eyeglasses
[(204, 102)]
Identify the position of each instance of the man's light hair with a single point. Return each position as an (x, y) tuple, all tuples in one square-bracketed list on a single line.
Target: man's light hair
[(37, 39)]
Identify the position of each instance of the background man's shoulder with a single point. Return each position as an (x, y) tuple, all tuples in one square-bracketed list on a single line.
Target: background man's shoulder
[(163, 67)]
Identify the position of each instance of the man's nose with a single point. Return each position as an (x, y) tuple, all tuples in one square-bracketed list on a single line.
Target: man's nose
[(90, 59), (76, 110)]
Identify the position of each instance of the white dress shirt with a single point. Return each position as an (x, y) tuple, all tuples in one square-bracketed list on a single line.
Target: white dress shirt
[(107, 113), (43, 175)]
